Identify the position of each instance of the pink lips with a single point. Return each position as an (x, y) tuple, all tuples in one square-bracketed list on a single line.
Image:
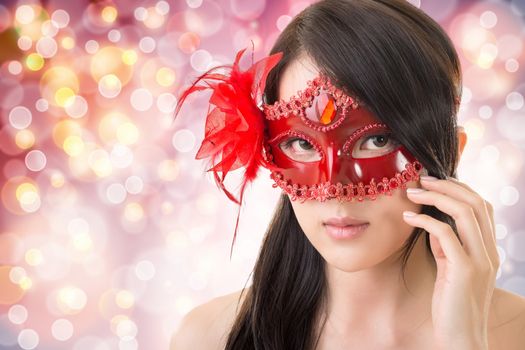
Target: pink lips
[(344, 227)]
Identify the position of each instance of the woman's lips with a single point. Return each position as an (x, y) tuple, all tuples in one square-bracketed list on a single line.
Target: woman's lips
[(344, 227)]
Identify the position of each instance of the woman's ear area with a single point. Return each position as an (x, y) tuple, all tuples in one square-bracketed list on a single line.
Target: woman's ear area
[(462, 139)]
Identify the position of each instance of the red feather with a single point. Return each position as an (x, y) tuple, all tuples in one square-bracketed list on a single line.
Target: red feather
[(234, 130)]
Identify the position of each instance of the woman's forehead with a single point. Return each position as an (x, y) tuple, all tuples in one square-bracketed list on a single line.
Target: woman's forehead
[(295, 77)]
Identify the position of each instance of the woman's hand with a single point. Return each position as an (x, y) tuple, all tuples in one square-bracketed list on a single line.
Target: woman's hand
[(466, 273)]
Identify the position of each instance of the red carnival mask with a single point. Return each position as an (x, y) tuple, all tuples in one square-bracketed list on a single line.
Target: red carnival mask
[(319, 146), (243, 132)]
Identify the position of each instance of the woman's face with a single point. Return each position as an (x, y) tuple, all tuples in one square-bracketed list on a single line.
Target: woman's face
[(386, 231)]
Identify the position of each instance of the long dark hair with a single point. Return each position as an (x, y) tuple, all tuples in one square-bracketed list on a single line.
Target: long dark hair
[(403, 66)]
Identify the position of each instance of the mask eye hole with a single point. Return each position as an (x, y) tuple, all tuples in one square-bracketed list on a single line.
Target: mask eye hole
[(300, 149), (375, 145)]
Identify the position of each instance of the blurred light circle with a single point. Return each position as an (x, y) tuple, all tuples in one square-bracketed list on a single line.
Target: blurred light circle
[(501, 231), (60, 18), (183, 140), (71, 300), (41, 105), (166, 102), (46, 46), (17, 314), (25, 14), (147, 44), (116, 193), (140, 13), (133, 212), (205, 20), (49, 29), (247, 10), (153, 19), (114, 35), (108, 60), (35, 160), (514, 101), (127, 133), (34, 61), (200, 60), (134, 184), (109, 86), (58, 84), (129, 57), (24, 43), (509, 195), (20, 117), (28, 339), (283, 21), (14, 67), (17, 274), (121, 156), (145, 270), (62, 329), (141, 99), (488, 19), (165, 76), (475, 128), (189, 42), (127, 329), (194, 3), (91, 46), (77, 107), (162, 7), (511, 65), (485, 112)]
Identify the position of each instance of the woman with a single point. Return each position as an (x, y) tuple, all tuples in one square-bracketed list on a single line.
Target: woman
[(360, 99)]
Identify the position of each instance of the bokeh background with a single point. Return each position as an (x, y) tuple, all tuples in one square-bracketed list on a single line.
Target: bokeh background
[(110, 231)]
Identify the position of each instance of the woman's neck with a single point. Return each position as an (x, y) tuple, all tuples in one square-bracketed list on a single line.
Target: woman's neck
[(365, 301)]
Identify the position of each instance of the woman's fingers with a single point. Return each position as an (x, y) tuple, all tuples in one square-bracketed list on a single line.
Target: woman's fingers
[(489, 210), (464, 217), (482, 209), (451, 246)]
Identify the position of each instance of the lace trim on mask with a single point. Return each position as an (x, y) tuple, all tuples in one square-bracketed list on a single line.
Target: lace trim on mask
[(347, 192)]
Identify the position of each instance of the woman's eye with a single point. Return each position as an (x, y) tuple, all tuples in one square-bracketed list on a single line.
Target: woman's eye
[(376, 142), (375, 146), (300, 149)]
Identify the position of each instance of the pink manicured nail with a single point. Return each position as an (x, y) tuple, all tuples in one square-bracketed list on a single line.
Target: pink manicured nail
[(415, 190), (427, 178), (408, 213)]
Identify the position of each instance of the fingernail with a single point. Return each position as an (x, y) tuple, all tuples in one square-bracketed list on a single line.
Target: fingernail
[(409, 214), (427, 178), (415, 190)]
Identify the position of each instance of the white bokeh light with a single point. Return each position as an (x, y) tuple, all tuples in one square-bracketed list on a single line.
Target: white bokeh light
[(35, 160)]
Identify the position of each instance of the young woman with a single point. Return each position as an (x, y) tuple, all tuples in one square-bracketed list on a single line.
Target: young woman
[(374, 243)]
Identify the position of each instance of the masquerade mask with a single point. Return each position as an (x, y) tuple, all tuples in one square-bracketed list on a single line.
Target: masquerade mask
[(320, 144), (324, 144)]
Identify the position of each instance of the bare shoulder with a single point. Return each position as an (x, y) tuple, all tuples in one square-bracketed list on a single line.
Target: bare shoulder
[(207, 325), (507, 321)]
